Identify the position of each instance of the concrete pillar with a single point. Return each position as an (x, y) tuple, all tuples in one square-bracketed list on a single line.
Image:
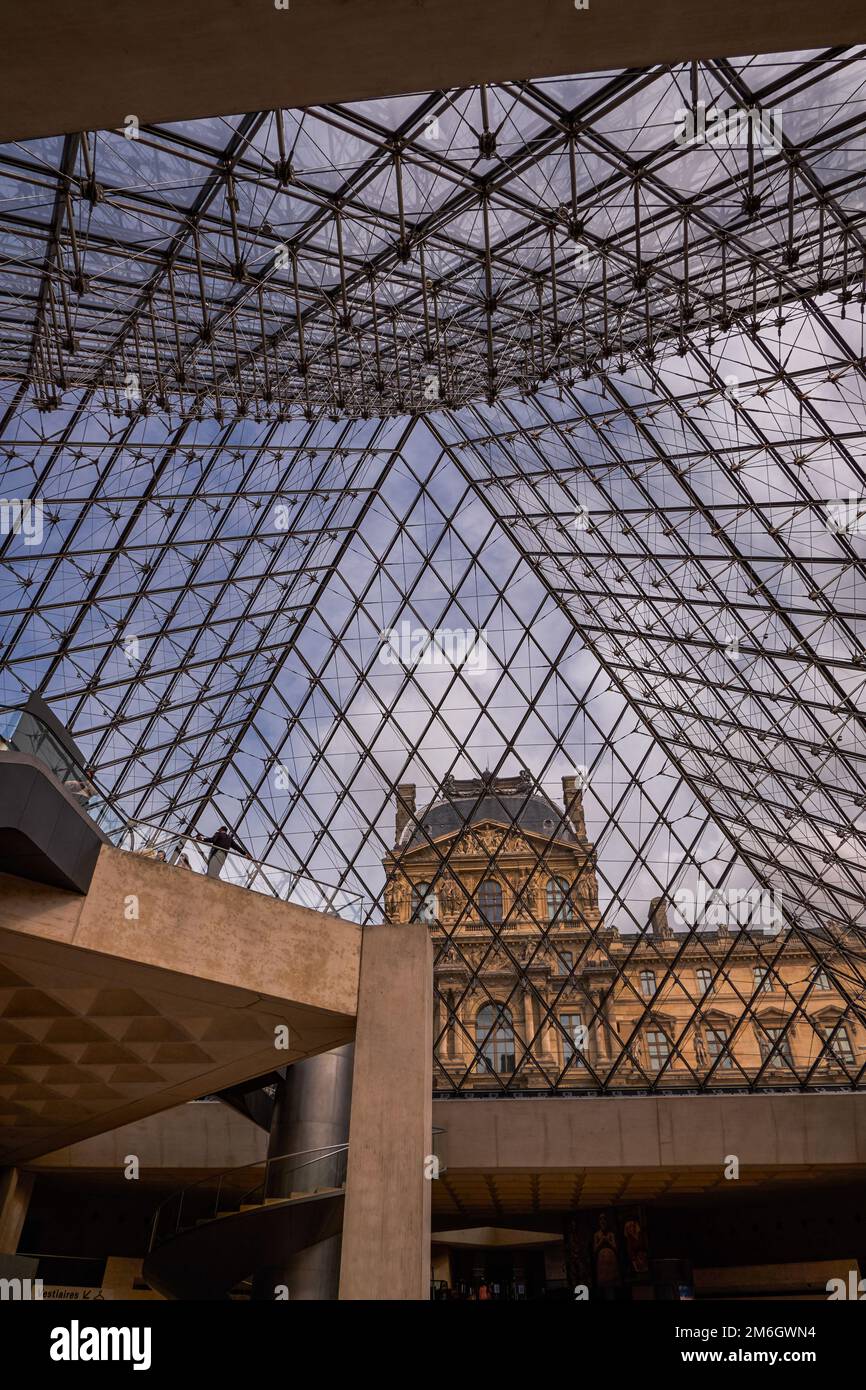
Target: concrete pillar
[(311, 1111), (15, 1189), (386, 1229)]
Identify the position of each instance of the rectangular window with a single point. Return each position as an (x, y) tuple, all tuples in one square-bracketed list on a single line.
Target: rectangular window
[(576, 1045), (564, 962), (705, 980), (717, 1046), (647, 983), (490, 902), (658, 1048), (761, 979), (839, 1049), (821, 980), (775, 1047)]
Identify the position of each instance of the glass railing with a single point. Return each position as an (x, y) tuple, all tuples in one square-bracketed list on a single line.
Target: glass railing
[(23, 732), (312, 1172)]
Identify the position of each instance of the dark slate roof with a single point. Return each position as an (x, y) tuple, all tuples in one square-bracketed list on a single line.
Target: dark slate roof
[(518, 811)]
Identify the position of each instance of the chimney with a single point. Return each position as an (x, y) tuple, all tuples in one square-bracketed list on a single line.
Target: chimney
[(658, 918), (572, 799), (405, 809)]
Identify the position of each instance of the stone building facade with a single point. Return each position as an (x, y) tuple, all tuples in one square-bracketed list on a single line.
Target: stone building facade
[(534, 990)]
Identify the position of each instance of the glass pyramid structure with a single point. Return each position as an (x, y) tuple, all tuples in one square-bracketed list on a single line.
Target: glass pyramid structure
[(512, 432)]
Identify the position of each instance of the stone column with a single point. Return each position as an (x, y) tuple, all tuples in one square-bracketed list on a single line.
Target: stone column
[(545, 1044), (386, 1228), (603, 1054), (528, 1019), (464, 1033), (452, 1029), (437, 1026)]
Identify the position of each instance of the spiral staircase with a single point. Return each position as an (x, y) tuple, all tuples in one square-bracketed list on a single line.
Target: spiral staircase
[(209, 1240)]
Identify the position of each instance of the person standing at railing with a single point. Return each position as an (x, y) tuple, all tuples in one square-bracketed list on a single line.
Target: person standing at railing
[(83, 788), (221, 843)]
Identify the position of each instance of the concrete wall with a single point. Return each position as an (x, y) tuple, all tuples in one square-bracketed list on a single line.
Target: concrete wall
[(206, 1136)]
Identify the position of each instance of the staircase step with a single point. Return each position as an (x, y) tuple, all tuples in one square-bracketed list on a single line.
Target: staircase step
[(254, 1206), (268, 1202)]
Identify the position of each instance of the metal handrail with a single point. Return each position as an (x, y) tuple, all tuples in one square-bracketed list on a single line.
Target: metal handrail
[(39, 741), (219, 1178), (180, 840)]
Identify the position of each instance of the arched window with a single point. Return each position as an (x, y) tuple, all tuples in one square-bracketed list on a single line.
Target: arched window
[(490, 901), (557, 900), (424, 907), (494, 1037)]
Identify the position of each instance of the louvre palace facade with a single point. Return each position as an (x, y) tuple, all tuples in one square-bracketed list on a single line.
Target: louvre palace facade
[(534, 990)]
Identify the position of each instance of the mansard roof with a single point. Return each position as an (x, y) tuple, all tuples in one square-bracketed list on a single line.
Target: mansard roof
[(506, 801)]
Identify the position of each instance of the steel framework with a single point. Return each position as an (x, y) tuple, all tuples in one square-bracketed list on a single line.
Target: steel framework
[(575, 366)]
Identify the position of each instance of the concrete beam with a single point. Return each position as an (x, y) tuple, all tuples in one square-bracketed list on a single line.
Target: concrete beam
[(159, 986), (645, 1132), (86, 65), (386, 1227)]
